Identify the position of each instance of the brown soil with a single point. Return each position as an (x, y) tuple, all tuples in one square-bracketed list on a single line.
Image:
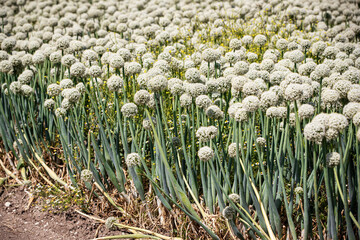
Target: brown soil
[(16, 223)]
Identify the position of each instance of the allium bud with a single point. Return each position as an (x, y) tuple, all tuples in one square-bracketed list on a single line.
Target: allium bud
[(234, 197), (229, 213)]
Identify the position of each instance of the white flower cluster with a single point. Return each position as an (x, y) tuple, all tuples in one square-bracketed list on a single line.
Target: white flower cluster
[(133, 159), (205, 134)]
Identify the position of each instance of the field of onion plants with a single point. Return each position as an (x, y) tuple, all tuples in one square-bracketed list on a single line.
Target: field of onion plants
[(245, 111)]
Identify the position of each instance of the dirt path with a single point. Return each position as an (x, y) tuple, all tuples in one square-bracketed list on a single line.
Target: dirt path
[(33, 224)]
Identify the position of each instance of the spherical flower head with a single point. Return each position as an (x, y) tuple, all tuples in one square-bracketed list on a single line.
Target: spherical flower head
[(192, 75), (352, 75), (232, 57), (337, 121), (185, 100), (26, 60), (206, 133), (234, 197), (15, 87), (177, 89), (241, 115), (203, 101), (322, 118), (38, 58), (49, 103), (196, 89), (296, 56), (306, 111), (214, 112), (26, 90), (293, 92), (63, 43), (90, 55), (307, 68), (176, 142), (201, 134), (251, 57), (64, 84), (72, 94), (251, 103), (299, 190), (224, 84), (233, 108), (331, 134), (318, 48), (114, 83), (77, 69), (261, 141), (241, 67), (340, 65), (110, 223), (330, 96), (141, 97), (8, 43), (60, 112), (205, 154), (277, 77), (210, 55), (116, 61), (332, 159), (343, 87), (232, 150), (133, 159), (213, 85), (80, 87), (6, 66), (282, 44), (354, 95), (26, 76), (66, 104), (356, 119), (157, 83), (235, 44), (247, 40), (151, 103), (54, 89), (86, 175), (268, 98), (132, 68), (229, 213), (267, 65), (147, 124), (95, 71), (260, 40), (314, 132), (68, 60), (322, 70), (129, 110)]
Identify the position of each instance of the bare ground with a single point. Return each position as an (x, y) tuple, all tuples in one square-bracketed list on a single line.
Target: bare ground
[(17, 223)]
